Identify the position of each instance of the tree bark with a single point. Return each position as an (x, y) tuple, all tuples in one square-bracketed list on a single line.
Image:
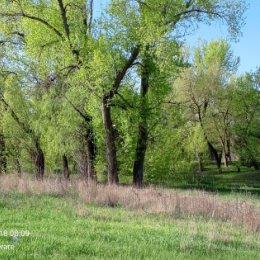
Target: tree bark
[(213, 152), (138, 169), (66, 171), (110, 139), (229, 150), (91, 154), (216, 156), (141, 146), (39, 161), (110, 136)]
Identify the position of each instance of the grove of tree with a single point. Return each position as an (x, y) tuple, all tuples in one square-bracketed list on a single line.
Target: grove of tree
[(121, 94)]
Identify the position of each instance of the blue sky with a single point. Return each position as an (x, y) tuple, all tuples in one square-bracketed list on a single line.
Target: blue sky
[(248, 46)]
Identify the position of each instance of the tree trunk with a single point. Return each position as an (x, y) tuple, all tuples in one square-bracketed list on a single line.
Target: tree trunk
[(213, 152), (91, 154), (39, 161), (226, 152), (18, 167), (3, 161), (200, 162), (82, 163), (66, 171), (225, 159), (216, 156), (110, 139), (138, 168), (229, 150), (110, 135), (225, 156), (87, 153)]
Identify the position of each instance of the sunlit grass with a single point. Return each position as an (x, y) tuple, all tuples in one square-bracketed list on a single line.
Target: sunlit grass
[(65, 227)]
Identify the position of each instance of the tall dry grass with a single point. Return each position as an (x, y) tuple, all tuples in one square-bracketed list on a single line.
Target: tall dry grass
[(150, 200)]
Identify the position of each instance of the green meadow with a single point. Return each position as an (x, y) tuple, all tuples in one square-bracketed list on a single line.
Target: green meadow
[(65, 227)]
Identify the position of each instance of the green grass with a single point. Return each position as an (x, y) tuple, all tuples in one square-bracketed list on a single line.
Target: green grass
[(246, 181), (67, 228)]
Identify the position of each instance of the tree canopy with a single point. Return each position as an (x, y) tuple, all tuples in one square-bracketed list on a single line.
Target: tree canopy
[(118, 95)]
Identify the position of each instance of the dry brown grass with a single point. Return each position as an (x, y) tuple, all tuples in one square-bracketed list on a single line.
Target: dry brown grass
[(149, 200)]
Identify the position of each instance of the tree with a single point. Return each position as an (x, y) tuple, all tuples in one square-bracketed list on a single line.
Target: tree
[(245, 107), (57, 36), (160, 20), (203, 90)]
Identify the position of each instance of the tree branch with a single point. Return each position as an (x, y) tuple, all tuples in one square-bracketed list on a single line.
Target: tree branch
[(64, 19), (125, 101), (90, 17), (180, 15), (121, 74), (85, 116), (28, 16)]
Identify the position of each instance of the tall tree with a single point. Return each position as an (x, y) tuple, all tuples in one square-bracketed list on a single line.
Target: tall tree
[(165, 18), (202, 89)]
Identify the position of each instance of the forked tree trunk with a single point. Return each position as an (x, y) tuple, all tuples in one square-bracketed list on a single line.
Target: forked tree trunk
[(110, 139), (39, 161), (141, 146), (110, 135), (66, 171)]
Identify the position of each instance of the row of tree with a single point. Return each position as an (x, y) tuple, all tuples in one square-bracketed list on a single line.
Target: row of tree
[(118, 93)]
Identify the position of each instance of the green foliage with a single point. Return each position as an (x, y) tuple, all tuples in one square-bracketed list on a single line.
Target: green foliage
[(246, 114), (56, 69)]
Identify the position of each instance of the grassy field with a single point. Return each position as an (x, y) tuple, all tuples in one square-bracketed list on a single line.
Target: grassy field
[(229, 180), (67, 226)]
